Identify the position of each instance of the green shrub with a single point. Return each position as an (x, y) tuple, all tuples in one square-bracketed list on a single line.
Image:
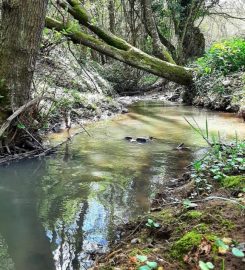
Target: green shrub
[(223, 57)]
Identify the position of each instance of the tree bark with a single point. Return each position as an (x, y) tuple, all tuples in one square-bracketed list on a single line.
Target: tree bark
[(159, 49), (119, 49), (22, 23), (112, 20)]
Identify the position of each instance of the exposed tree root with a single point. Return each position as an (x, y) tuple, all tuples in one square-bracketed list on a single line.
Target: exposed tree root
[(40, 152), (23, 108)]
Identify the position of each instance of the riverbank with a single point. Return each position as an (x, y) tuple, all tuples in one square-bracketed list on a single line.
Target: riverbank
[(70, 112), (94, 183), (195, 221)]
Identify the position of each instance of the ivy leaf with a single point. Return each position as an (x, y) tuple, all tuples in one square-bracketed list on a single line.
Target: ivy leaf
[(152, 265), (206, 266), (141, 258), (156, 225), (188, 204), (144, 267), (221, 244), (237, 252), (150, 221), (210, 265), (239, 159), (21, 126)]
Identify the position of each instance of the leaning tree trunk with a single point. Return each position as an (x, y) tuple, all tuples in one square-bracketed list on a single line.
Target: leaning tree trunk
[(124, 52), (22, 22), (115, 47)]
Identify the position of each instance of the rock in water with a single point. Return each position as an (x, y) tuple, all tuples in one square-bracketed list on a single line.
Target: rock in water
[(142, 140)]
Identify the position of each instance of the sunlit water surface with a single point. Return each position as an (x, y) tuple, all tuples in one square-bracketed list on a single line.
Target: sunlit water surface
[(55, 213)]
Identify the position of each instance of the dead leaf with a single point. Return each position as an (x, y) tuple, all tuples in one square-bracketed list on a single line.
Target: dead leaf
[(205, 247), (222, 251), (227, 240), (133, 259)]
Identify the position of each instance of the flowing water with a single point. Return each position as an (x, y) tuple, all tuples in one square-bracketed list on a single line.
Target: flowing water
[(56, 212)]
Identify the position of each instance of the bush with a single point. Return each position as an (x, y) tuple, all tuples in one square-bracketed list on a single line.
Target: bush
[(223, 57)]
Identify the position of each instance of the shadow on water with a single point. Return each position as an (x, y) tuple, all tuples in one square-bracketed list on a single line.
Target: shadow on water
[(55, 213)]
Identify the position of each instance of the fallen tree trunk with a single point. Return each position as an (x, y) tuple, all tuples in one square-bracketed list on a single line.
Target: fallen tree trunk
[(127, 54)]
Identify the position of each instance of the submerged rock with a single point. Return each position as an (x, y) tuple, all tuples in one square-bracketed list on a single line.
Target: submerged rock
[(138, 139), (128, 138), (142, 140)]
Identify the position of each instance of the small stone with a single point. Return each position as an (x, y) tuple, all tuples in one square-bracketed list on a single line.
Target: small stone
[(124, 110), (135, 241), (226, 82)]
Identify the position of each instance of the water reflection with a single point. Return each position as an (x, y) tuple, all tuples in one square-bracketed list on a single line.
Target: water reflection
[(20, 227), (57, 212)]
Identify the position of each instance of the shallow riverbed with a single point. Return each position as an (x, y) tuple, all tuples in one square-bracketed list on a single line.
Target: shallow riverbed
[(56, 212)]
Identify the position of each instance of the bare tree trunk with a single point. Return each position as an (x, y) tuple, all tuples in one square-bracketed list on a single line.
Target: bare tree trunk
[(20, 33), (159, 49), (112, 21)]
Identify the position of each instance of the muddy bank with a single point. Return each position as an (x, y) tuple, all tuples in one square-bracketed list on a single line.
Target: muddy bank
[(71, 111), (224, 93)]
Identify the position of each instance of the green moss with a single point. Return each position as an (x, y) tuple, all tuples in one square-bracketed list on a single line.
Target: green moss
[(229, 225), (237, 181), (193, 214), (81, 15), (185, 244), (165, 216), (202, 228)]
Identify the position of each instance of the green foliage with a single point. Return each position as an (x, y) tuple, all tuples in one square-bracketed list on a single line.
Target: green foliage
[(206, 266), (151, 224), (234, 250), (72, 26), (223, 57), (21, 126), (141, 258), (220, 162), (237, 252), (148, 265), (188, 204), (220, 243)]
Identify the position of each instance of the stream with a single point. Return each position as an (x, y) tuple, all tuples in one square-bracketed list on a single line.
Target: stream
[(58, 211)]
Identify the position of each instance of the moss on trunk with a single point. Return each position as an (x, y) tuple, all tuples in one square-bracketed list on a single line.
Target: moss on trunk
[(131, 56)]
